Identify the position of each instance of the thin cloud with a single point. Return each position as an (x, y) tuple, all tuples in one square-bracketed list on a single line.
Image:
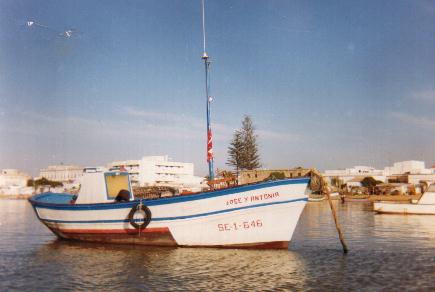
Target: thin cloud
[(164, 120), (145, 114), (421, 122), (34, 123), (36, 116), (157, 125), (168, 122), (276, 136), (425, 95), (133, 129), (163, 117), (427, 5)]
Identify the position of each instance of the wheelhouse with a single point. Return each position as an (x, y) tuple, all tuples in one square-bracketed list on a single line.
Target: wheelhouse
[(105, 187)]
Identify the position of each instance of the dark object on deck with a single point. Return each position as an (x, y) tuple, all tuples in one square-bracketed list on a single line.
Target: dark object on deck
[(123, 196), (73, 199)]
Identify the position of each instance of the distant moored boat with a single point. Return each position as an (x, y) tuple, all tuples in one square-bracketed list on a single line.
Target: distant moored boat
[(424, 206)]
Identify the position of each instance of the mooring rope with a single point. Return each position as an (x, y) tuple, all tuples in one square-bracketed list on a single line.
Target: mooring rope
[(319, 184), (139, 207)]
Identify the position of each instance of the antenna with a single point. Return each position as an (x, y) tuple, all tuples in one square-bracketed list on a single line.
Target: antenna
[(204, 55), (208, 99)]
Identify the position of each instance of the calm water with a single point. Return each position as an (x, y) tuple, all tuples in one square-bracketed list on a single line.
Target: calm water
[(387, 252)]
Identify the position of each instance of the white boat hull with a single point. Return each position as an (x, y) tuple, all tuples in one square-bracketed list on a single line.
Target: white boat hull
[(262, 215)]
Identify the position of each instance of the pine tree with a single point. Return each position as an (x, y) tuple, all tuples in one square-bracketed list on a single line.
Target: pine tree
[(235, 151), (243, 149), (250, 156)]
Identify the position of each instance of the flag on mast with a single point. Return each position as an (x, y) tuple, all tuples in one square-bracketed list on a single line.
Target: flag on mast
[(209, 146)]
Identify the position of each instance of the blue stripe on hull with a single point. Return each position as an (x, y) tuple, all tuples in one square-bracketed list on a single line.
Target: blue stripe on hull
[(184, 217), (163, 201)]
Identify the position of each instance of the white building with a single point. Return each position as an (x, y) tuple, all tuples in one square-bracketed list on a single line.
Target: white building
[(407, 167), (132, 166), (359, 171), (62, 173), (13, 178), (356, 170), (159, 171)]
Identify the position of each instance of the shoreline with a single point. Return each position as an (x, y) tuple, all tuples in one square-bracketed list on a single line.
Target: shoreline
[(15, 197), (376, 198), (397, 198), (371, 198)]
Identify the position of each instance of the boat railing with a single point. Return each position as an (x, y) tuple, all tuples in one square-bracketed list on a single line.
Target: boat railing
[(222, 183)]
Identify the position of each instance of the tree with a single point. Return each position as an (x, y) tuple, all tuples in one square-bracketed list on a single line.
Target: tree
[(275, 176), (243, 149), (369, 182), (30, 182), (251, 158), (45, 182), (235, 151)]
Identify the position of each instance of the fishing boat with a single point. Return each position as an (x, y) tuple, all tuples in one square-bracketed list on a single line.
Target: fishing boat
[(424, 206), (262, 215)]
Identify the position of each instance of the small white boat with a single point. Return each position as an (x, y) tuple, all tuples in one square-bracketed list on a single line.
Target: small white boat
[(424, 206), (262, 215)]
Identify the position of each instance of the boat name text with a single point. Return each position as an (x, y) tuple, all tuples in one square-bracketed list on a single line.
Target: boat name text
[(252, 198)]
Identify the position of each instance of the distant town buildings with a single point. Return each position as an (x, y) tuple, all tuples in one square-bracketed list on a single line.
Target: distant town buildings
[(62, 173), (160, 171), (353, 174), (13, 178), (13, 181), (410, 171), (356, 170)]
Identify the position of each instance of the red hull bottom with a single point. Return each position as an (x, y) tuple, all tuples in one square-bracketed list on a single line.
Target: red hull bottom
[(151, 237), (255, 245)]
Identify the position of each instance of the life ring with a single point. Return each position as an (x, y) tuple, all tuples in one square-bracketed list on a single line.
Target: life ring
[(137, 208)]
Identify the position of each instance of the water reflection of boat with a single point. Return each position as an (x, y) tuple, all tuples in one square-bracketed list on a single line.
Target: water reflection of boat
[(262, 215), (424, 206), (316, 198), (362, 199), (334, 195)]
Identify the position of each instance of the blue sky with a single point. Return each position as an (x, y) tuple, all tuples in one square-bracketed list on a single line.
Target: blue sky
[(329, 84)]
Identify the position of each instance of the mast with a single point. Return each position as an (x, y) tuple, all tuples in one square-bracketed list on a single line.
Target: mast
[(208, 99)]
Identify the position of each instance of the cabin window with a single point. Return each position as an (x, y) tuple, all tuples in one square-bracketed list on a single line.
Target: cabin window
[(116, 183)]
